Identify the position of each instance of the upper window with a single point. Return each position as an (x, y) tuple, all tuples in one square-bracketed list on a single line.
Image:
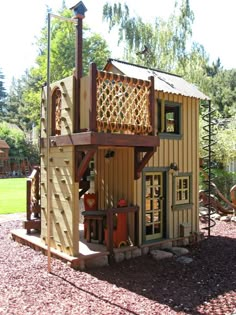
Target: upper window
[(169, 118)]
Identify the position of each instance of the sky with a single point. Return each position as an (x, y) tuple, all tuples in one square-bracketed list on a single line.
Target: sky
[(21, 21)]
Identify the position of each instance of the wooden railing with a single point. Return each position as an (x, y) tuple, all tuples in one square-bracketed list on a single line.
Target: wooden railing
[(120, 104), (33, 200)]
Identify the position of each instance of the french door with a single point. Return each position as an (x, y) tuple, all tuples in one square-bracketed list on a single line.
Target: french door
[(153, 205)]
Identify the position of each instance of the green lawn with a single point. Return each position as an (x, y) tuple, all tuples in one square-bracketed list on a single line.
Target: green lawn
[(12, 195)]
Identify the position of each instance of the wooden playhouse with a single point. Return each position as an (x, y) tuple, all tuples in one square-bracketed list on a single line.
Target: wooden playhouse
[(126, 140)]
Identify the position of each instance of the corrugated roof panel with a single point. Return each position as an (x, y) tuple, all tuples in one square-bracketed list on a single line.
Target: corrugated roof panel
[(166, 82)]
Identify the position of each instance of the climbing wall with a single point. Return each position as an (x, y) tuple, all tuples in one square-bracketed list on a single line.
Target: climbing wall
[(57, 171)]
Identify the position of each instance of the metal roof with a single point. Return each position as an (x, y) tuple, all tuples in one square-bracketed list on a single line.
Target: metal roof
[(166, 82)]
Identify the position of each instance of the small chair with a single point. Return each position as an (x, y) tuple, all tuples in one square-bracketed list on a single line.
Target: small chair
[(90, 202)]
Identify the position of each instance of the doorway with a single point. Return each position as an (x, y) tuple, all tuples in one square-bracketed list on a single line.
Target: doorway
[(153, 205)]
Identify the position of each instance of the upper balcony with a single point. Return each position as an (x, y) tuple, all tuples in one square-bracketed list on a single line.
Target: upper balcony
[(105, 109), (118, 108)]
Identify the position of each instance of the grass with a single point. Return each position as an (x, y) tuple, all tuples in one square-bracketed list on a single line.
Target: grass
[(12, 195)]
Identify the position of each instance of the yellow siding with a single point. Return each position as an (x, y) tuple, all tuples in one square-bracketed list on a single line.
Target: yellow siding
[(115, 176), (85, 102), (62, 189), (184, 152), (114, 180)]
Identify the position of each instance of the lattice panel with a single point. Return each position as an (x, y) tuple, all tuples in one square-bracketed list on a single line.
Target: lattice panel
[(122, 104)]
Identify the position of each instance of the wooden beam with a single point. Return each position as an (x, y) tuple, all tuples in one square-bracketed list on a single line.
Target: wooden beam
[(93, 93), (152, 105), (84, 164), (102, 139), (139, 163)]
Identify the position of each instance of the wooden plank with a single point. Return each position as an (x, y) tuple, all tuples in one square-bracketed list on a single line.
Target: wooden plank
[(102, 139), (190, 136), (185, 134), (152, 105), (195, 178), (85, 100), (93, 97)]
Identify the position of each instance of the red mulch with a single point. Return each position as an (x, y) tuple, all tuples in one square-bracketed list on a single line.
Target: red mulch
[(142, 285)]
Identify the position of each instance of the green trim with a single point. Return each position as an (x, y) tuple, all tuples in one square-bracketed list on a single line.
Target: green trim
[(169, 135), (165, 231), (182, 206)]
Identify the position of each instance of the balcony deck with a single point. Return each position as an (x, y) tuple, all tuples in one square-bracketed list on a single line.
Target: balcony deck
[(114, 110)]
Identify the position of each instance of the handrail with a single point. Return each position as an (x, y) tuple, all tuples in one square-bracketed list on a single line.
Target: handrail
[(33, 193)]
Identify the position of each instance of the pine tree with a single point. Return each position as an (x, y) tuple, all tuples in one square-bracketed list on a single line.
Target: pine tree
[(2, 95)]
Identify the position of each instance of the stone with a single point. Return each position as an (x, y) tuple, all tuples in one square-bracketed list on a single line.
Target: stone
[(178, 251), (216, 216), (166, 245), (119, 257), (160, 254), (145, 250), (233, 219), (225, 218), (184, 260), (128, 255), (203, 211), (96, 262), (136, 252)]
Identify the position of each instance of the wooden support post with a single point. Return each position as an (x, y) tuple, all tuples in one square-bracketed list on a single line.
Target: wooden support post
[(79, 11), (110, 227), (152, 105), (93, 93)]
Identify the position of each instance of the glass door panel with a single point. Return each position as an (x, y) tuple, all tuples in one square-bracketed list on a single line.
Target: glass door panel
[(153, 196)]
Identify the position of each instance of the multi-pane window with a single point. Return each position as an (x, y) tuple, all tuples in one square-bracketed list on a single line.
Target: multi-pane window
[(169, 117), (182, 190)]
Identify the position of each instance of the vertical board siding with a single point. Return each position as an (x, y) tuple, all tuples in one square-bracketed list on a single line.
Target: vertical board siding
[(118, 174), (184, 152), (85, 100)]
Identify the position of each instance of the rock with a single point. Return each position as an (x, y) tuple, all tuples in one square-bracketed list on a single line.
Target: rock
[(137, 252), (178, 251), (225, 218), (128, 255), (160, 254), (184, 260), (166, 245), (216, 216), (203, 210), (145, 250), (119, 257), (97, 262), (233, 219)]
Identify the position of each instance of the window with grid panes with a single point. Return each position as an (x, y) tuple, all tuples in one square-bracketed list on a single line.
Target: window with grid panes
[(182, 192), (169, 119)]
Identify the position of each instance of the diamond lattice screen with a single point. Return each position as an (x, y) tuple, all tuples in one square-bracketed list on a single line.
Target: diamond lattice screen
[(122, 104)]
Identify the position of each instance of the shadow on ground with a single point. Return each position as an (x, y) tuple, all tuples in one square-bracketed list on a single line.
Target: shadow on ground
[(183, 287)]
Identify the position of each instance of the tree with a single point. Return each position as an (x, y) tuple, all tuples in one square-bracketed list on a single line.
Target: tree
[(62, 54), (20, 148), (2, 95), (166, 41), (222, 89)]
